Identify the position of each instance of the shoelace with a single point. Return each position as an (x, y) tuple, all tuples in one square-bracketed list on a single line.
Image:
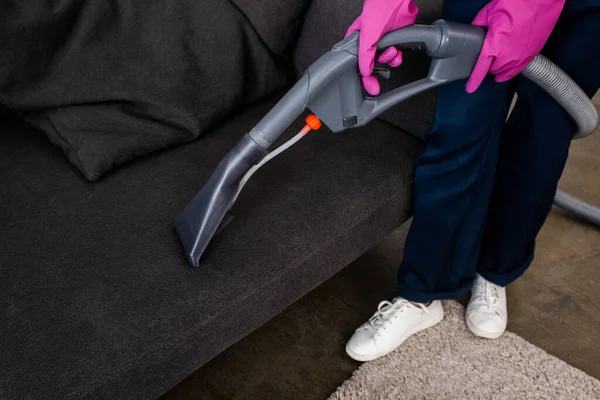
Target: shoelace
[(486, 296), (386, 309)]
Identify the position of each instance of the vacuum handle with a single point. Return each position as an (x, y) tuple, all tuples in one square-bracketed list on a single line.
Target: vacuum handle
[(453, 48), (336, 94), (413, 37)]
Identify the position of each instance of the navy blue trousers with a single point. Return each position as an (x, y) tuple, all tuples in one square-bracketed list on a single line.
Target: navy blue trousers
[(483, 188)]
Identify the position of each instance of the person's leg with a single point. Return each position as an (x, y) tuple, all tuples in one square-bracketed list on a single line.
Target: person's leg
[(533, 152), (453, 181)]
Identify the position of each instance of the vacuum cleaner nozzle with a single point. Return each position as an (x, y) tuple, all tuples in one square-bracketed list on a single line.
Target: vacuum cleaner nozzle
[(201, 219)]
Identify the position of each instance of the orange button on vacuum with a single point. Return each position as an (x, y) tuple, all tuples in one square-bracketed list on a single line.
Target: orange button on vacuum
[(313, 122)]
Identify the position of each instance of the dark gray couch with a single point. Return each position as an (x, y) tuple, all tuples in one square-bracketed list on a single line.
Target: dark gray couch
[(97, 299)]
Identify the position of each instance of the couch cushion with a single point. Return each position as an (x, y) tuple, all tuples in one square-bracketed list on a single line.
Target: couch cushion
[(278, 22), (97, 297), (109, 81), (326, 23)]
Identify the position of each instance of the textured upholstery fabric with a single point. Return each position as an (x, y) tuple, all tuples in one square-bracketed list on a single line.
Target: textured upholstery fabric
[(325, 24), (277, 22), (112, 81), (97, 298)]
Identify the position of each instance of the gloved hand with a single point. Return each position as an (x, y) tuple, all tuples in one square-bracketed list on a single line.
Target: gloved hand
[(378, 18), (517, 32)]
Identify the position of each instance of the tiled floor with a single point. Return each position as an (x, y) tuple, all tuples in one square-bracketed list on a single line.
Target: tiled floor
[(300, 353)]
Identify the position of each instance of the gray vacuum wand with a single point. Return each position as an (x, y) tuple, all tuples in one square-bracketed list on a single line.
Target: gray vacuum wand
[(331, 88)]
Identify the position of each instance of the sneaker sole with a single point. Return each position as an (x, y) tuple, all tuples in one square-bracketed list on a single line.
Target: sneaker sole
[(481, 333), (371, 357)]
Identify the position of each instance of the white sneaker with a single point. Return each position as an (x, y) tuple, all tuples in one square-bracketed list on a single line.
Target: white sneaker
[(390, 326), (486, 314)]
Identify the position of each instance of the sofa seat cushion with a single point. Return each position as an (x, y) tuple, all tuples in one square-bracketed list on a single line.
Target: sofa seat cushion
[(97, 297)]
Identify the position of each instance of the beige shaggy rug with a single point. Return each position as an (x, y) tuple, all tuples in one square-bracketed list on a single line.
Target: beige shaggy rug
[(449, 362)]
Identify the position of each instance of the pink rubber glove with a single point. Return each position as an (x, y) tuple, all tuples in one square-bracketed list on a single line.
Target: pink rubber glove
[(517, 32), (378, 18)]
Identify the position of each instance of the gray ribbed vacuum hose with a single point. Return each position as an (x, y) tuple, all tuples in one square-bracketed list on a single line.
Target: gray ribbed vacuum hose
[(584, 210), (570, 96), (566, 93)]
